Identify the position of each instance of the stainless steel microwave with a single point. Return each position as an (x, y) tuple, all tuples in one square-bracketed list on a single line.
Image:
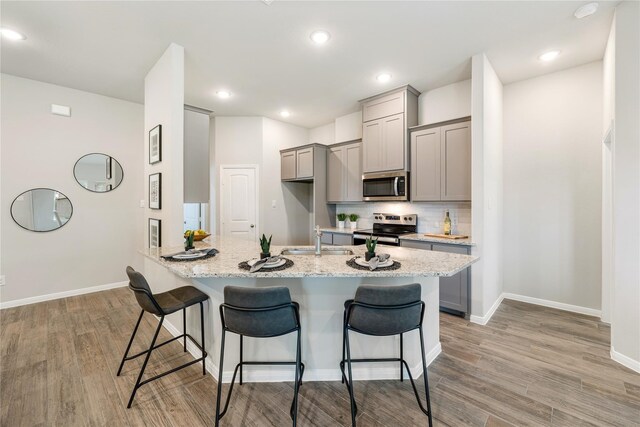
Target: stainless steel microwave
[(385, 186)]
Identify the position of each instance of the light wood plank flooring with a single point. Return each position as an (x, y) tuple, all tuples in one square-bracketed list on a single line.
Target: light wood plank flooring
[(529, 366)]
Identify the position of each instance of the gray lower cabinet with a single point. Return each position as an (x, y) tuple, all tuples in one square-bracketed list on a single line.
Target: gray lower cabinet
[(454, 290), (336, 239)]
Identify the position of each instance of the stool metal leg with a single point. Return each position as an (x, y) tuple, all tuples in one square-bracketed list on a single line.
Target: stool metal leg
[(350, 381), (241, 358), (204, 353), (401, 359), (146, 360), (296, 386), (184, 327), (344, 320), (219, 396), (426, 379), (126, 353)]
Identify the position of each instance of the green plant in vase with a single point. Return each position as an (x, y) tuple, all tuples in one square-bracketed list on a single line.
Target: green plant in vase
[(265, 246), (188, 240), (353, 220), (341, 219), (370, 243)]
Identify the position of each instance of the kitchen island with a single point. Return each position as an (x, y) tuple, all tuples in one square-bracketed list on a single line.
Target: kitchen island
[(320, 285)]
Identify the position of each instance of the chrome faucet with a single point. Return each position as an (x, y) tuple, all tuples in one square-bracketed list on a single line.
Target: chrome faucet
[(318, 241)]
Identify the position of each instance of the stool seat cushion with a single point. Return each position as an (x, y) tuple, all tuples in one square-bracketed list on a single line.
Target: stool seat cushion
[(381, 321), (179, 298), (259, 323)]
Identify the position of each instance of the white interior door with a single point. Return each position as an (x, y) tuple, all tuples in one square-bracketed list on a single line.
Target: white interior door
[(238, 202), (192, 216)]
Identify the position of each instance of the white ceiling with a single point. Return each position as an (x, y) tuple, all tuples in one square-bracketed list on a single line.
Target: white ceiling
[(263, 54)]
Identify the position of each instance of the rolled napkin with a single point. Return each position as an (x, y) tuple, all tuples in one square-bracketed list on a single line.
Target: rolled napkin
[(261, 263), (208, 251), (376, 260)]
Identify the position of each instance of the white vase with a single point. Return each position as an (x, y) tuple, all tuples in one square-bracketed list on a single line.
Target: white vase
[(354, 224), (340, 224)]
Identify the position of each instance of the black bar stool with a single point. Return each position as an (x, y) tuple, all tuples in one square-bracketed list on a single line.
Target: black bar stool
[(259, 313), (384, 311), (161, 305)]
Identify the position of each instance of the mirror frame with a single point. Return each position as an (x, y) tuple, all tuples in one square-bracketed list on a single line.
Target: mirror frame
[(103, 154), (40, 231)]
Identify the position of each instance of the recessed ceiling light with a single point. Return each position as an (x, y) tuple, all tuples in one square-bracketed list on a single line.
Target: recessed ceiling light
[(383, 78), (285, 113), (549, 56), (11, 34), (320, 36), (223, 94), (586, 10)]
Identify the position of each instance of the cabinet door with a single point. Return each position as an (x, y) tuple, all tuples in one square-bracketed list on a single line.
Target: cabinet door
[(304, 163), (425, 165), (288, 165), (455, 183), (393, 140), (352, 158), (342, 239), (383, 107), (326, 238), (415, 244), (454, 290), (335, 174), (372, 146)]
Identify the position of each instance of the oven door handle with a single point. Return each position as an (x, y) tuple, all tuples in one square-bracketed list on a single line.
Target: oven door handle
[(380, 238), (395, 186)]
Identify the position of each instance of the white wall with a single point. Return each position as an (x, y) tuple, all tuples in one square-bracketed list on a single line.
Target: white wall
[(487, 190), (196, 157), (552, 186), (445, 103), (39, 150), (348, 127), (325, 135), (164, 104), (625, 319)]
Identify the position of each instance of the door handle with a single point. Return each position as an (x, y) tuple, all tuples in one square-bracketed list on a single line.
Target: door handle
[(252, 225)]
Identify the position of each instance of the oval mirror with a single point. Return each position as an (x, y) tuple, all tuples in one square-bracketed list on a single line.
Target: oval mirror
[(98, 172), (41, 209)]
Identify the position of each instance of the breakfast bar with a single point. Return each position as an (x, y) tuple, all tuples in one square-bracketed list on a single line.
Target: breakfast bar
[(321, 285)]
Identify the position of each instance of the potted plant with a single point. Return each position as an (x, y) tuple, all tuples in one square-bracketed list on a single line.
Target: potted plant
[(353, 220), (265, 246), (341, 218), (188, 240), (371, 243)]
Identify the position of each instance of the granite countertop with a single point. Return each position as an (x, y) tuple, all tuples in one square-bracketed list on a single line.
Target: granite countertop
[(336, 230), (415, 262), (422, 238)]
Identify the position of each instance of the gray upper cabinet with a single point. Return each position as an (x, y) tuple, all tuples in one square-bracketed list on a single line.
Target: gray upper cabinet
[(441, 163), (344, 173), (297, 164), (386, 118), (288, 165), (456, 161)]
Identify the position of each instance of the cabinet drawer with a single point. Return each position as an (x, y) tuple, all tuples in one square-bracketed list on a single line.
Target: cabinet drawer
[(326, 238), (415, 244), (342, 239), (383, 107), (452, 249)]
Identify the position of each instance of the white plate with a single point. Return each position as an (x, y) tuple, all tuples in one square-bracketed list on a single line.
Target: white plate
[(195, 255), (363, 263), (276, 264)]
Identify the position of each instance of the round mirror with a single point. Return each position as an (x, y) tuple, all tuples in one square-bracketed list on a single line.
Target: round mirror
[(98, 172), (41, 209)]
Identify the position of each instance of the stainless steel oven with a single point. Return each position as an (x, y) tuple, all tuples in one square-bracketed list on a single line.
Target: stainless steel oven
[(385, 186)]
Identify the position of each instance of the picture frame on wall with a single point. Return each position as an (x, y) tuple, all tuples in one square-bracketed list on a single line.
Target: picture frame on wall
[(155, 145), (155, 233), (155, 191)]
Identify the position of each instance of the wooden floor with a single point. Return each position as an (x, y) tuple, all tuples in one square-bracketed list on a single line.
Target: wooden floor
[(529, 366)]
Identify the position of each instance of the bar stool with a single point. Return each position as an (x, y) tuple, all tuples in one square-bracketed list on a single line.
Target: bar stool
[(161, 305), (259, 313), (384, 311)]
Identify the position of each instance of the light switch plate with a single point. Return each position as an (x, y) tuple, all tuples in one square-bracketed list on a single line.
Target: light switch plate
[(142, 203), (61, 110), (273, 204)]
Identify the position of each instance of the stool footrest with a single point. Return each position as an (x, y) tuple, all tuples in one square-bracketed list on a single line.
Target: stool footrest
[(164, 343)]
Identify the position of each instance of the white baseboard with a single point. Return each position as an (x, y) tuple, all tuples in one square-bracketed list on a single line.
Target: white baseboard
[(626, 361), (58, 295), (483, 320), (277, 374), (554, 304)]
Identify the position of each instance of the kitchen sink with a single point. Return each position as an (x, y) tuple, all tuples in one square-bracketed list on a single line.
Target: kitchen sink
[(311, 251)]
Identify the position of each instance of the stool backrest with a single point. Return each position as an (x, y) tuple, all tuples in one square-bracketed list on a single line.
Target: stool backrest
[(138, 284), (259, 312), (386, 310)]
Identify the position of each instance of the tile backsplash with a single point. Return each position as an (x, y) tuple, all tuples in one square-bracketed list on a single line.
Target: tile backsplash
[(430, 215)]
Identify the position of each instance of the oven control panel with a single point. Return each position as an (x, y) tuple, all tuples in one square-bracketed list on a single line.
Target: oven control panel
[(404, 219)]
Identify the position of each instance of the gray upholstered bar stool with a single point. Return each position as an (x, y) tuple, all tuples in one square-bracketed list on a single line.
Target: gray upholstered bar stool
[(259, 313), (161, 305), (384, 311)]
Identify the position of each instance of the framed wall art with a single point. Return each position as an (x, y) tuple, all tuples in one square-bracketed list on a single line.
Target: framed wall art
[(155, 240), (155, 145), (155, 191)]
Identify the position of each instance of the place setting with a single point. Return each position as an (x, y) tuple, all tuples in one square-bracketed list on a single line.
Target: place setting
[(372, 261), (266, 261), (190, 252)]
